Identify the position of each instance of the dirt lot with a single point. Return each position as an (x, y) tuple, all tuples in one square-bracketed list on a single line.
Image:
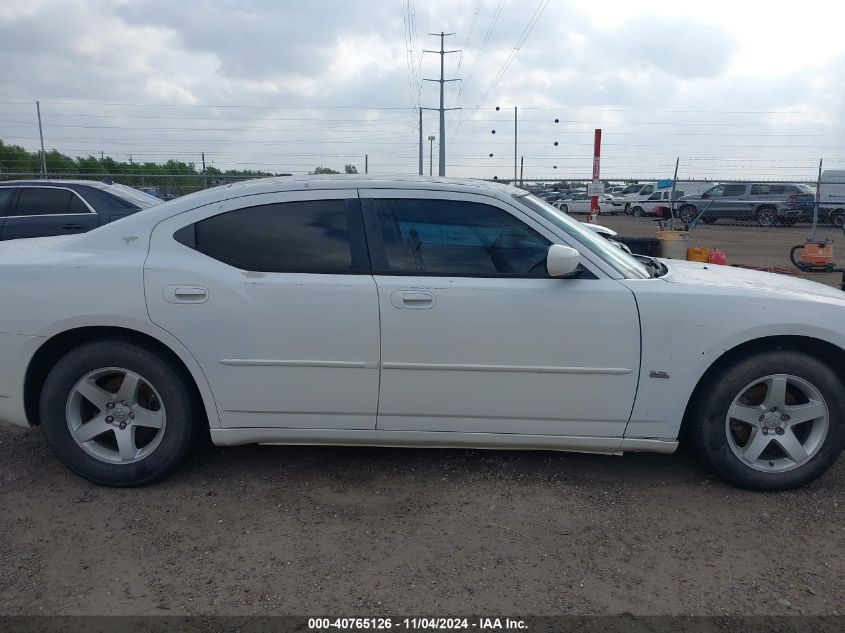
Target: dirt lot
[(343, 531), (749, 244)]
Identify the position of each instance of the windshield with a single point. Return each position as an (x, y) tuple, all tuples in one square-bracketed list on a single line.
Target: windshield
[(617, 258), (134, 197)]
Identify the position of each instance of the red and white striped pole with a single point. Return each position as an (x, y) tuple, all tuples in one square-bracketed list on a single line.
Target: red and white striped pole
[(594, 200)]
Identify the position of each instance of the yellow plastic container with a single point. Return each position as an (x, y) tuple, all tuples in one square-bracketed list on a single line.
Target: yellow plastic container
[(673, 244), (698, 254)]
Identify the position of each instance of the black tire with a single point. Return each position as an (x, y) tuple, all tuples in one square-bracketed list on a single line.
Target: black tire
[(564, 208), (708, 414), (767, 216), (687, 213), (637, 212), (837, 217), (184, 418)]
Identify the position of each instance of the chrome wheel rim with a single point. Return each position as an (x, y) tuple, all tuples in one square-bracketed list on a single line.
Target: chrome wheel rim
[(766, 218), (116, 415), (777, 423)]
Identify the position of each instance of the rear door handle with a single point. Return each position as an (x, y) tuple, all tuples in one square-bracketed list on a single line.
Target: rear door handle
[(72, 227), (185, 294), (411, 299)]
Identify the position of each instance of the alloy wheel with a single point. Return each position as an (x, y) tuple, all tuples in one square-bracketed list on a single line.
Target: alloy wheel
[(116, 415), (777, 423)]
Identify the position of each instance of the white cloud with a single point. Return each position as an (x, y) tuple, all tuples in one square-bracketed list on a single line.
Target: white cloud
[(662, 78)]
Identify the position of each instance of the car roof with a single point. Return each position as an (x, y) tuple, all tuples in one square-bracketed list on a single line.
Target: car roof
[(97, 184), (344, 181), (147, 218)]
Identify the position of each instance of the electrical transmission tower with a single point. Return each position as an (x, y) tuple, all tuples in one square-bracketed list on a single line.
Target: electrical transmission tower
[(441, 166)]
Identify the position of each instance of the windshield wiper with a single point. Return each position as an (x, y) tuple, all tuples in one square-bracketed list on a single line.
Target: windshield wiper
[(655, 268)]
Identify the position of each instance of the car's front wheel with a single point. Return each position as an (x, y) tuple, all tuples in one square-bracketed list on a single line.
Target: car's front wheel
[(118, 414), (772, 421), (687, 213), (637, 212)]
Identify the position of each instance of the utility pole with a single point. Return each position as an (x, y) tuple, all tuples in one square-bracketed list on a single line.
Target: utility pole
[(366, 164), (204, 175), (441, 169), (514, 143), (41, 134), (521, 165), (421, 145), (431, 154)]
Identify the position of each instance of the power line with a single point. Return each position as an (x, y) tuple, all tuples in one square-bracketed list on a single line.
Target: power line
[(526, 32), (484, 42)]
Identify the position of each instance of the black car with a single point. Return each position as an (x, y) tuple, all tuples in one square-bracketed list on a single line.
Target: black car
[(37, 208)]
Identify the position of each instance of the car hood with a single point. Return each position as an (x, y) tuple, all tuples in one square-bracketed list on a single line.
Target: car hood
[(714, 275)]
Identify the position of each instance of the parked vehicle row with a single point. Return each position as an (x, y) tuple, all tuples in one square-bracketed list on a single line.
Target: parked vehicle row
[(379, 311)]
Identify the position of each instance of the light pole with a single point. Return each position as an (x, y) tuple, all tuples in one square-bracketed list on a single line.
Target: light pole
[(431, 154)]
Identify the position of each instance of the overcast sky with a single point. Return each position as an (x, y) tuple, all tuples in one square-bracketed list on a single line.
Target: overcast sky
[(736, 89)]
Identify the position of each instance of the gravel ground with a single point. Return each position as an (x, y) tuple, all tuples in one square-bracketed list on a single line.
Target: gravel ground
[(310, 530), (357, 531)]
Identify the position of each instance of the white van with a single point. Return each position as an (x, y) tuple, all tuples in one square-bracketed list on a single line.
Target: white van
[(832, 196), (640, 192)]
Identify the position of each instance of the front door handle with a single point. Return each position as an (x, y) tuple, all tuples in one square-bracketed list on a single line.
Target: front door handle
[(411, 299), (185, 294), (72, 227)]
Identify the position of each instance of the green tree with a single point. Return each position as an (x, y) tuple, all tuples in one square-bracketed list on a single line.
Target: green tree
[(324, 170), (350, 169)]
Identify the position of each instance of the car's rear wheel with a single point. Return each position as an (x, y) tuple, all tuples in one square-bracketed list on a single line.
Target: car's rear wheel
[(564, 208), (118, 414), (687, 213), (773, 421), (767, 216), (637, 212), (837, 217)]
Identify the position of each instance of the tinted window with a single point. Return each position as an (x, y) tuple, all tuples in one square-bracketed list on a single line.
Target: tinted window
[(734, 190), (715, 192), (319, 236), (43, 201), (5, 198), (648, 189), (77, 206), (654, 196), (767, 190), (450, 237)]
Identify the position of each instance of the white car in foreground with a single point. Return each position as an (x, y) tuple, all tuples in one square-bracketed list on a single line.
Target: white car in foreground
[(407, 312)]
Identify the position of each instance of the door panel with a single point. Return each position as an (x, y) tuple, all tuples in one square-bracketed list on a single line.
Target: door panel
[(45, 211), (280, 349), (495, 354)]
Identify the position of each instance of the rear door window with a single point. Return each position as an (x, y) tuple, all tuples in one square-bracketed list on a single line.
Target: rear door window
[(315, 236), (43, 201), (6, 194)]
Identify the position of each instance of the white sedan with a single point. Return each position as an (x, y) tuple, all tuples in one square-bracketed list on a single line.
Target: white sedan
[(407, 312)]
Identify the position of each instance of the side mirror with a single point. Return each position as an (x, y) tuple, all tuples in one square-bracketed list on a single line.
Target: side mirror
[(562, 261)]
